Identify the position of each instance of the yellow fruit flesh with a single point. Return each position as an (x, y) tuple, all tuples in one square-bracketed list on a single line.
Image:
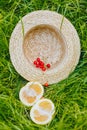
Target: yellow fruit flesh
[(39, 117), (46, 105), (29, 99), (36, 112), (36, 88)]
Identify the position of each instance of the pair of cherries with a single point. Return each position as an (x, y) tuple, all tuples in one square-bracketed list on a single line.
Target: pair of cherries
[(40, 64)]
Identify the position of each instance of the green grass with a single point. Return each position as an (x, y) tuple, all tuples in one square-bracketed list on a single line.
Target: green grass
[(69, 96)]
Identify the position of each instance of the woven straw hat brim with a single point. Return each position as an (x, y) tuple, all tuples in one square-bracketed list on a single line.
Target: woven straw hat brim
[(36, 35)]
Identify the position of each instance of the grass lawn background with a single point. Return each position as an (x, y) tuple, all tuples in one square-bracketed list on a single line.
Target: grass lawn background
[(69, 96)]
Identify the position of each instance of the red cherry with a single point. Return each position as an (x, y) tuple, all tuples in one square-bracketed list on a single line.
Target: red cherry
[(35, 62), (43, 69), (37, 66), (38, 59), (41, 66), (41, 63), (38, 63), (48, 65), (46, 85)]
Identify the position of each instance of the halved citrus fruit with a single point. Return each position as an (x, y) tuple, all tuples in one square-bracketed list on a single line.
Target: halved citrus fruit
[(31, 93), (42, 111)]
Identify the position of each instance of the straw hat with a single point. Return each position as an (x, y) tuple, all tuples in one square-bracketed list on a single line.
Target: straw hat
[(51, 37)]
